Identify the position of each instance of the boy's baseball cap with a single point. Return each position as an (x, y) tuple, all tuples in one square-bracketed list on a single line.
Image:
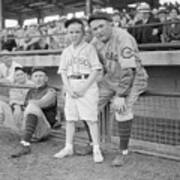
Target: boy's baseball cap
[(99, 15), (73, 20)]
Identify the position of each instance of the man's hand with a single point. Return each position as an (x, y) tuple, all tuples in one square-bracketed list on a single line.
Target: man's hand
[(119, 104)]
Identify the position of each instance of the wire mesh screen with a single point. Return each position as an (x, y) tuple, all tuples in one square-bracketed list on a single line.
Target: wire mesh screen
[(157, 119)]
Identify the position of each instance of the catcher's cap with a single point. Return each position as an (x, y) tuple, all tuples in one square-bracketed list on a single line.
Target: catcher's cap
[(35, 69)]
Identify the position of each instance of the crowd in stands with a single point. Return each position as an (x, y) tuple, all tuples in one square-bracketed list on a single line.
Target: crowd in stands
[(52, 35)]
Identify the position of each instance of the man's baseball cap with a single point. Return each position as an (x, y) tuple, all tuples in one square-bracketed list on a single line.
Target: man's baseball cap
[(35, 69), (99, 15), (73, 20)]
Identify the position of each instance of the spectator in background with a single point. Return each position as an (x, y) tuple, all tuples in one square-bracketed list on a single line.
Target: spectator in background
[(8, 42), (7, 70), (146, 34), (116, 18), (7, 67), (163, 17), (155, 13), (172, 31), (125, 18), (17, 95), (179, 11), (19, 38), (32, 38)]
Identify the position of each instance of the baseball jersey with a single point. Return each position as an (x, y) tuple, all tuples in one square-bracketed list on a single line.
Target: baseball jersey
[(123, 71), (82, 60)]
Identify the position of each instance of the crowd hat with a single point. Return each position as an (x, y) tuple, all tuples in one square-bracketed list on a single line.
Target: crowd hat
[(162, 10), (99, 15), (143, 7)]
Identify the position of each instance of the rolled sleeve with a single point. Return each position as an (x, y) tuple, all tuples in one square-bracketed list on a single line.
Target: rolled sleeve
[(63, 63)]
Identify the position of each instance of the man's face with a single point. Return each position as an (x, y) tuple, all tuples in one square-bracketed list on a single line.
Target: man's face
[(39, 78), (7, 60), (145, 15), (19, 77), (101, 29), (116, 19), (162, 17), (75, 33), (173, 14)]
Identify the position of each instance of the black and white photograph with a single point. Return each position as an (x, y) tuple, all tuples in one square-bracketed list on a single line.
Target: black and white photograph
[(89, 89)]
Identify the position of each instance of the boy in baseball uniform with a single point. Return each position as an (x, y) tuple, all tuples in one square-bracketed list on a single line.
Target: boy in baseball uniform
[(79, 68)]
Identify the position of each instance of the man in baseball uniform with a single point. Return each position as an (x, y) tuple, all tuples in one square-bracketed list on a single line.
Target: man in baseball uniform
[(79, 68), (124, 77), (40, 112)]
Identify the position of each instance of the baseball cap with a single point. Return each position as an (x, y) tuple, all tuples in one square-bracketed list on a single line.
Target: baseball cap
[(73, 20), (99, 15), (19, 68), (35, 69)]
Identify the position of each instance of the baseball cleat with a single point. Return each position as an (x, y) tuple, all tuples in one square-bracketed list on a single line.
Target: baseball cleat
[(64, 153), (97, 156), (21, 151), (119, 160)]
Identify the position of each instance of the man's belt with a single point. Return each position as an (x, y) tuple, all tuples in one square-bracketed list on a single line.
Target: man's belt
[(82, 76)]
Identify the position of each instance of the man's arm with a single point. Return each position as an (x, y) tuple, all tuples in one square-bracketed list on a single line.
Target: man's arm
[(47, 100), (136, 82), (139, 85)]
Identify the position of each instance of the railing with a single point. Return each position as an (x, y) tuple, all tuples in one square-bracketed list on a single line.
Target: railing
[(144, 47)]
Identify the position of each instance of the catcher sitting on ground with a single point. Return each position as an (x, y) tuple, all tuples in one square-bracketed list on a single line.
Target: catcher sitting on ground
[(40, 112)]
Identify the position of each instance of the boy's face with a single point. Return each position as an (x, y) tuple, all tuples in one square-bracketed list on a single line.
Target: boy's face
[(19, 77), (39, 78), (75, 33)]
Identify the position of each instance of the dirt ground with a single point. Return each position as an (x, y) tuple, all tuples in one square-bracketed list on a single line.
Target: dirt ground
[(40, 164)]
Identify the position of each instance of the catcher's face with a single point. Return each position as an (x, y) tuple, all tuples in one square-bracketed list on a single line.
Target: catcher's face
[(39, 78), (101, 29)]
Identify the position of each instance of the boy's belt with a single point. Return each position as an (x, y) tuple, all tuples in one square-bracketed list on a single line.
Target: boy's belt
[(82, 76)]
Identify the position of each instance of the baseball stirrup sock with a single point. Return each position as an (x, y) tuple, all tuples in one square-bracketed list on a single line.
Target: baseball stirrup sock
[(31, 123), (124, 133)]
